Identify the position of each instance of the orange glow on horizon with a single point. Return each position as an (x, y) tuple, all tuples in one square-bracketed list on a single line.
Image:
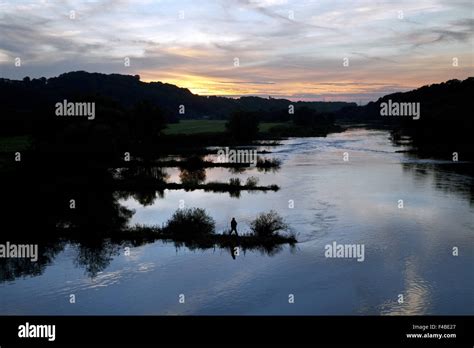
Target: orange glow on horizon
[(206, 86), (302, 88)]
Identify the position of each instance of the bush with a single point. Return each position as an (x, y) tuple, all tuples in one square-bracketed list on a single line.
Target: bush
[(267, 224), (234, 182), (190, 222), (251, 181), (268, 163)]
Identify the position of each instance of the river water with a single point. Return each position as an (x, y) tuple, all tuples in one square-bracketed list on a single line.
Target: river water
[(408, 252)]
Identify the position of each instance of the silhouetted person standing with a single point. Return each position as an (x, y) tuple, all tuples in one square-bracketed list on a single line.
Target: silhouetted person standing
[(233, 226)]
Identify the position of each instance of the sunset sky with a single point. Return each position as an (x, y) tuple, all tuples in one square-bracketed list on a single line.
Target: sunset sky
[(286, 49)]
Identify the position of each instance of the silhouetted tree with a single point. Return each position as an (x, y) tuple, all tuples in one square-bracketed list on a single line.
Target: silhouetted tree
[(147, 123), (243, 126)]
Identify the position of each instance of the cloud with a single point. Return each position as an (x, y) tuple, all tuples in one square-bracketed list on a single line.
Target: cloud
[(279, 54), (366, 56), (461, 30)]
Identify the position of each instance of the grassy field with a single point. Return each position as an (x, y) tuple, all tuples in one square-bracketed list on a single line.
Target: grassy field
[(14, 143), (207, 126)]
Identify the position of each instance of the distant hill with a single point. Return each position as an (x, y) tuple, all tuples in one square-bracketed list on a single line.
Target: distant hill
[(445, 124), (446, 120), (443, 101), (126, 90)]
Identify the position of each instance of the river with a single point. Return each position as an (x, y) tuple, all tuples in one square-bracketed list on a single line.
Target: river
[(408, 266)]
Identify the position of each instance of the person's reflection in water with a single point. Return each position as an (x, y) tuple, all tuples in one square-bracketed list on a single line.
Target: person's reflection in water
[(233, 250)]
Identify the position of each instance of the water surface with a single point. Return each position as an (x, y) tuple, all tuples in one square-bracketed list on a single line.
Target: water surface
[(407, 251)]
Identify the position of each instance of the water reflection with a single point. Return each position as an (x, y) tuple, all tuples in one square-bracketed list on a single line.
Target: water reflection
[(13, 268), (192, 177), (332, 201), (79, 206), (446, 177), (95, 255), (416, 294)]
